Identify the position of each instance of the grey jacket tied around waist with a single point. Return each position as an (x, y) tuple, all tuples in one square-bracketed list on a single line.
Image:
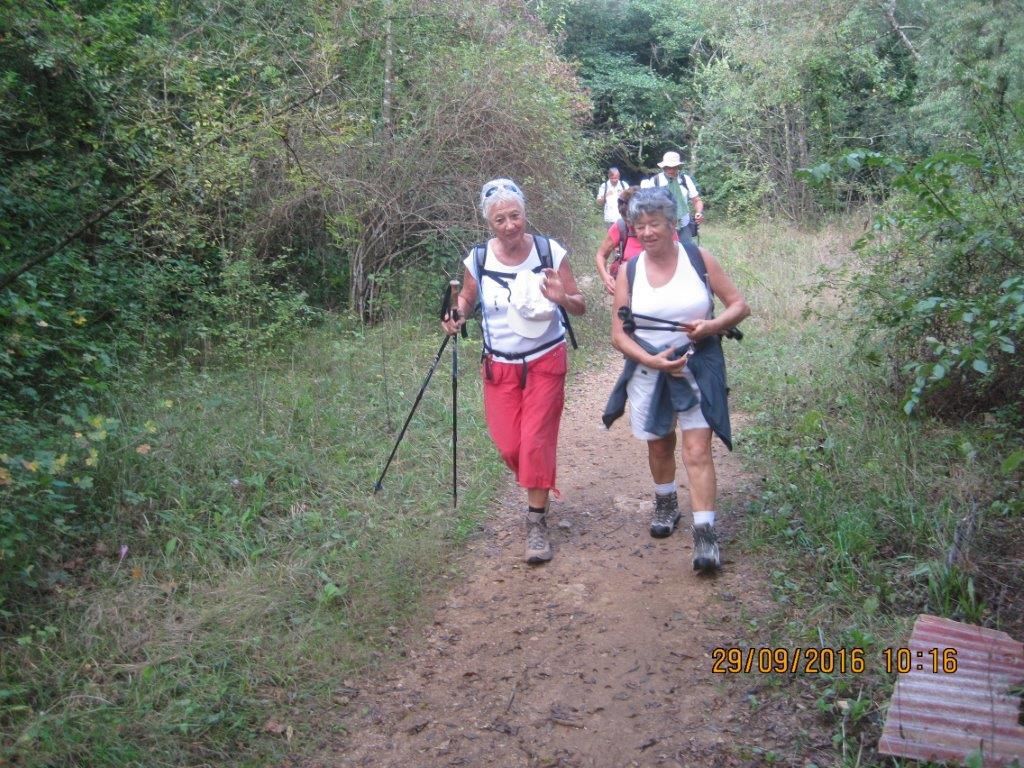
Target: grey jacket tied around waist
[(673, 393)]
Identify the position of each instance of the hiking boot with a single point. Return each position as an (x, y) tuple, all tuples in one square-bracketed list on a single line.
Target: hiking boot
[(706, 558), (666, 515), (538, 548)]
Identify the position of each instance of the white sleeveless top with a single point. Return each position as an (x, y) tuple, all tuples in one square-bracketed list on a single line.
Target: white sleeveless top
[(682, 299), (494, 300)]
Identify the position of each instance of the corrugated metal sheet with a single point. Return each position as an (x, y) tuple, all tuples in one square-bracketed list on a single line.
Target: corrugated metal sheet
[(947, 716)]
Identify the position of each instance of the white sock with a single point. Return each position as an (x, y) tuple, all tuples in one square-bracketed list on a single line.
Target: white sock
[(699, 518), (664, 489)]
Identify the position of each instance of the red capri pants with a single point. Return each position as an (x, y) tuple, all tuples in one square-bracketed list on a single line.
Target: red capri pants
[(523, 421)]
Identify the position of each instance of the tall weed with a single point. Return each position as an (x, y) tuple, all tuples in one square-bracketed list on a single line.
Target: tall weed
[(870, 516), (248, 566)]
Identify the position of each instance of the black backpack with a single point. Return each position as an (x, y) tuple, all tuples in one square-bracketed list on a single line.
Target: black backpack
[(543, 246)]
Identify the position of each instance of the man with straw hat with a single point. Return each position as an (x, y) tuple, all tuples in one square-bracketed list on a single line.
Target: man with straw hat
[(683, 191)]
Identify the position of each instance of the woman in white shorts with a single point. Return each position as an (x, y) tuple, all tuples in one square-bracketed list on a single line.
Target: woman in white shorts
[(675, 371)]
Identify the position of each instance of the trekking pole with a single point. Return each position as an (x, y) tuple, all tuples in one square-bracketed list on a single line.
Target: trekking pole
[(446, 303), (380, 481), (453, 300)]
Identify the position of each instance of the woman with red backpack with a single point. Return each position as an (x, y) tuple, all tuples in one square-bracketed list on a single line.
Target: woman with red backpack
[(621, 239)]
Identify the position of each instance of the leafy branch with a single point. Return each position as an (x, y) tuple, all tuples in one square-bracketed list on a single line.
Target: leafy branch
[(98, 216)]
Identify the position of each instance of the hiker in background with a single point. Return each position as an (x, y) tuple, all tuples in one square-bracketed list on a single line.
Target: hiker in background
[(620, 240), (608, 195), (524, 285), (675, 371), (683, 191)]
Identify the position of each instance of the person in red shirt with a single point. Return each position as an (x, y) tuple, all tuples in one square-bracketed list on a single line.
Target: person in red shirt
[(613, 243)]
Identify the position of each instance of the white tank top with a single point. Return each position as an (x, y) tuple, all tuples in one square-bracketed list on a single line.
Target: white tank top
[(494, 301), (682, 299)]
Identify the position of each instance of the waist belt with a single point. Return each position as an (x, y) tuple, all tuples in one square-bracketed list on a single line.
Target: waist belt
[(489, 352)]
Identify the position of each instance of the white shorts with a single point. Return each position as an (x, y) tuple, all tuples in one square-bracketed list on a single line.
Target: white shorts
[(639, 391)]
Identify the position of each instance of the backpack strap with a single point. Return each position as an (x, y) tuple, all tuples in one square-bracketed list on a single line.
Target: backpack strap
[(623, 234), (547, 262), (479, 254), (479, 257), (697, 261), (543, 246), (630, 277)]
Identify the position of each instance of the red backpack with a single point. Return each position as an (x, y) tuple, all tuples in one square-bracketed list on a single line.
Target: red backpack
[(613, 268)]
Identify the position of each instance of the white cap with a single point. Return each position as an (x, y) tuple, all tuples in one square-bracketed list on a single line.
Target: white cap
[(529, 312), (670, 160)]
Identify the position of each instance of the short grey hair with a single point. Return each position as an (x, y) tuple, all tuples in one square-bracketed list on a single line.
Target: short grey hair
[(500, 191), (653, 200), (613, 169)]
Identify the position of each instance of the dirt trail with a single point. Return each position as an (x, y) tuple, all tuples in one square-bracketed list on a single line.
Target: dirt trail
[(600, 658)]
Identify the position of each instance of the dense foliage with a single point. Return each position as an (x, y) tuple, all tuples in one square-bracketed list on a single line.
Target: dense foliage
[(943, 267), (636, 59), (751, 91), (911, 105), (184, 186), (193, 178)]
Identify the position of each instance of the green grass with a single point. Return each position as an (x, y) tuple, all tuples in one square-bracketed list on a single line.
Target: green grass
[(261, 569), (263, 576), (859, 506)]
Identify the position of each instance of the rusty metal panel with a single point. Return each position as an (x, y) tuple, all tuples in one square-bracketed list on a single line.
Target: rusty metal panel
[(947, 715)]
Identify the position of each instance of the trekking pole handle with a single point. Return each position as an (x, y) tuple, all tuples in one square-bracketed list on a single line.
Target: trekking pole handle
[(453, 288)]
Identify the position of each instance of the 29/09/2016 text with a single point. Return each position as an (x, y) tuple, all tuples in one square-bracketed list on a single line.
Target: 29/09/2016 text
[(829, 661)]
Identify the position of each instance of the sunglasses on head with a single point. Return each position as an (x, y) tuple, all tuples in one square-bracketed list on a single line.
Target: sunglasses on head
[(495, 187)]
